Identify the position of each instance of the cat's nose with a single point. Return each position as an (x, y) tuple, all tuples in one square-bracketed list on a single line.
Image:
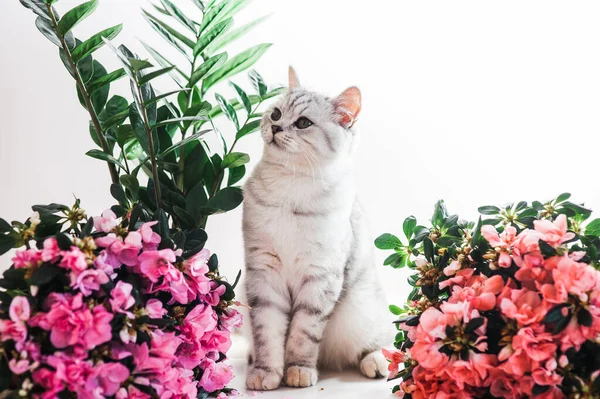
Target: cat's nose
[(276, 129)]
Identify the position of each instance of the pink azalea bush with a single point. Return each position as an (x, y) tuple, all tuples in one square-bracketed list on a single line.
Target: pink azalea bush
[(508, 308), (113, 309)]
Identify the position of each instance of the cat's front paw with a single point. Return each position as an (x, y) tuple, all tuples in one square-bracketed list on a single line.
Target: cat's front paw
[(374, 365), (301, 377), (263, 378)]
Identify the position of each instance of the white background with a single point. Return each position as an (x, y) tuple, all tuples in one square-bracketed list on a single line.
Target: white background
[(473, 102)]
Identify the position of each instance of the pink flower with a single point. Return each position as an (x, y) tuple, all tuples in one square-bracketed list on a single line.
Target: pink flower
[(459, 279), (200, 320), (70, 323), (149, 237), (501, 243), (195, 270), (106, 222), (479, 291), (49, 381), (157, 264), (396, 358), (71, 370), (216, 340), (19, 310), (121, 251), (50, 252), (19, 366), (11, 331), (578, 279), (131, 393), (74, 260), (522, 305), (155, 309), (554, 233), (121, 298), (108, 377), (190, 353), (164, 345), (88, 281), (27, 258), (503, 240), (231, 318), (100, 330), (216, 375), (213, 298), (537, 344)]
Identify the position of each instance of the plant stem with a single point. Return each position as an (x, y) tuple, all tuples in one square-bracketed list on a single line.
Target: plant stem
[(86, 97), (150, 144)]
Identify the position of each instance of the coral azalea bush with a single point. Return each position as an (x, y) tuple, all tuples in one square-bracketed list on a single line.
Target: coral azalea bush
[(505, 308), (112, 308)]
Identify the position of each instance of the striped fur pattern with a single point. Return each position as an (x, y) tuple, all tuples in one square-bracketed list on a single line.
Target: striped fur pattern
[(310, 277)]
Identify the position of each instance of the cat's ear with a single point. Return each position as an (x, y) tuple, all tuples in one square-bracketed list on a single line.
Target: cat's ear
[(347, 106), (293, 82)]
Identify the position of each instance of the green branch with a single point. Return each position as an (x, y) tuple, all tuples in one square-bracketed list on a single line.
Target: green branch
[(114, 175)]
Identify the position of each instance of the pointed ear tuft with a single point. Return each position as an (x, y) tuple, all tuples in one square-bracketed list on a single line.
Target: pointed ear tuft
[(293, 83), (348, 105)]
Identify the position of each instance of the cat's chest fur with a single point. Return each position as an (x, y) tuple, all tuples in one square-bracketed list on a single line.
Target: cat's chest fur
[(298, 215)]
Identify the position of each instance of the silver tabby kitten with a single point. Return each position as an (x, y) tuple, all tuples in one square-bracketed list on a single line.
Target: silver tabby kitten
[(310, 276)]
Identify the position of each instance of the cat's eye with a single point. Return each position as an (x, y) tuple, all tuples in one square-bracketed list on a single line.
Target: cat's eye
[(276, 115), (303, 123)]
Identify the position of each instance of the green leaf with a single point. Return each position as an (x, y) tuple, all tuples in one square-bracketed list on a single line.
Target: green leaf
[(6, 243), (196, 199), (428, 249), (94, 43), (228, 110), (207, 67), (132, 185), (235, 65), (489, 210), (212, 16), (175, 12), (387, 241), (105, 80), (98, 154), (409, 226), (258, 83), (147, 78), (393, 259), (234, 35), (593, 228), (209, 37), (547, 249), (182, 143), (5, 227), (243, 97), (164, 95), (170, 34), (45, 27), (235, 175), (45, 274), (37, 6), (75, 16), (162, 61), (118, 193), (234, 159), (226, 199), (139, 65), (177, 120), (100, 96), (563, 197), (248, 128), (395, 310)]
